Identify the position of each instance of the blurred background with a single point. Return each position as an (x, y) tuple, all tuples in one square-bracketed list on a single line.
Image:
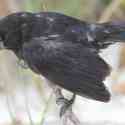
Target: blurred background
[(26, 99)]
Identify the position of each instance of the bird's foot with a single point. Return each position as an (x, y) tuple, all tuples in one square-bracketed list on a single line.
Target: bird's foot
[(66, 112), (65, 104), (70, 118)]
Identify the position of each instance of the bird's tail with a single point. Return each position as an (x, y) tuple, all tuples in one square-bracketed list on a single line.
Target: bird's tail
[(109, 33), (115, 31)]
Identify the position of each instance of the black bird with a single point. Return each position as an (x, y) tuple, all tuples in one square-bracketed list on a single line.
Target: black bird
[(65, 50)]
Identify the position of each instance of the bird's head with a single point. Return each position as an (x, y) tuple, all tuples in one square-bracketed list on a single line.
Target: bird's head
[(10, 30)]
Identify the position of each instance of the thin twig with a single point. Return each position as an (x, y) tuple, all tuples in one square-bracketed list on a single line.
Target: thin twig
[(106, 15), (43, 6), (12, 116), (46, 109), (26, 102)]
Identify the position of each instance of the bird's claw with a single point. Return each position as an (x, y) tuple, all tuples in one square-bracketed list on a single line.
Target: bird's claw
[(65, 108), (65, 104)]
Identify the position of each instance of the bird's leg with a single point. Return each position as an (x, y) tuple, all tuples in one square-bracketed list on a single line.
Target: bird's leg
[(66, 108), (66, 104)]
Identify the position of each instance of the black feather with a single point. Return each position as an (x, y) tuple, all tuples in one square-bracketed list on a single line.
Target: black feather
[(69, 65), (63, 49)]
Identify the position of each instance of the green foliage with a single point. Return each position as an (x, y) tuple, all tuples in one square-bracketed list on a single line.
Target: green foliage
[(106, 2), (76, 8), (32, 5), (70, 7)]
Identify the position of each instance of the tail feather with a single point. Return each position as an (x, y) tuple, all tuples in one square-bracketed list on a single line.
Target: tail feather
[(108, 33), (102, 95)]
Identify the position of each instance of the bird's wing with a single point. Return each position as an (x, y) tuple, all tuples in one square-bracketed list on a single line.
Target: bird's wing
[(72, 66)]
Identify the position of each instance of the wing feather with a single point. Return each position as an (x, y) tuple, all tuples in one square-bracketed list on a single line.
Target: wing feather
[(69, 65)]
